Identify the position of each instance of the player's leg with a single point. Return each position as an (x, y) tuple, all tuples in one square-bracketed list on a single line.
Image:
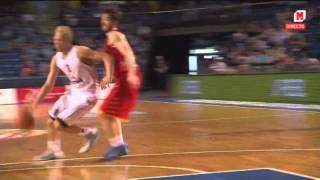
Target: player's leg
[(54, 138), (51, 132), (113, 129), (115, 110), (71, 129), (54, 150), (75, 111), (109, 108), (105, 125), (115, 126)]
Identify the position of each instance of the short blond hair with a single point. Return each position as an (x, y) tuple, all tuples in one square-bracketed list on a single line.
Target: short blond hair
[(65, 31)]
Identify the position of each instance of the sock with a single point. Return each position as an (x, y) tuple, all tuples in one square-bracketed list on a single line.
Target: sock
[(120, 139), (57, 145), (116, 141), (54, 146), (113, 142), (50, 145)]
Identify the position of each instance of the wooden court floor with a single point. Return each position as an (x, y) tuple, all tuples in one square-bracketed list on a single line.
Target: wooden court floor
[(173, 139)]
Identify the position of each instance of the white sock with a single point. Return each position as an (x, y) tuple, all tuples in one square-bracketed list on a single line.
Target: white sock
[(54, 146), (57, 145), (116, 141), (50, 145), (120, 139)]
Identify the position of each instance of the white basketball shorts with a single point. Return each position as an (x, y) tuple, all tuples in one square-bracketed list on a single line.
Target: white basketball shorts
[(72, 106)]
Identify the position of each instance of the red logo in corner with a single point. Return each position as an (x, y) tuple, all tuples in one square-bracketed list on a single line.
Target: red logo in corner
[(299, 17)]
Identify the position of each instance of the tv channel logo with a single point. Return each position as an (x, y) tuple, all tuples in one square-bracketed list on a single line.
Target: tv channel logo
[(299, 18)]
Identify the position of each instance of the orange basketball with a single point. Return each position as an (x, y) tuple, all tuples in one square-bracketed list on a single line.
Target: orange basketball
[(24, 119)]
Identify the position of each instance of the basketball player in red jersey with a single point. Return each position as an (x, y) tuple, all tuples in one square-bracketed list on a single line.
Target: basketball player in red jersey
[(122, 98)]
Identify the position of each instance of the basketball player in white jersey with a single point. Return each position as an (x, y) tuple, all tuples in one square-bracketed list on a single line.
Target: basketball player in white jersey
[(78, 64)]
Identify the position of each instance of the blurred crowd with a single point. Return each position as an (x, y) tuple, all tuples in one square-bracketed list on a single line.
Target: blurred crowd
[(272, 50), (26, 45), (26, 38)]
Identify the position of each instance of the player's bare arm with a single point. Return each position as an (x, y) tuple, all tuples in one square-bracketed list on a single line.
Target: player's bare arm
[(121, 43), (49, 84), (92, 55)]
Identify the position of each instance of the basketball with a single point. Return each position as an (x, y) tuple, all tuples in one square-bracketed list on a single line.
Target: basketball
[(24, 119)]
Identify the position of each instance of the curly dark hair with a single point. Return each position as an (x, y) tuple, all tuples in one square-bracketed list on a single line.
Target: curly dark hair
[(114, 13)]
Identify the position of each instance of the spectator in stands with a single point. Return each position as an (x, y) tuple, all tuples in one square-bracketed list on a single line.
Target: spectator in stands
[(46, 51), (28, 68), (280, 35), (240, 38), (43, 68), (296, 45), (258, 43), (219, 66), (161, 71), (283, 61)]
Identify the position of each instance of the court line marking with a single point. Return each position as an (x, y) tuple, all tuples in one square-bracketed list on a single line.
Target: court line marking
[(227, 171), (212, 119), (20, 133), (175, 122), (94, 114), (280, 105), (190, 174), (209, 119), (172, 153), (104, 165), (293, 173), (231, 106)]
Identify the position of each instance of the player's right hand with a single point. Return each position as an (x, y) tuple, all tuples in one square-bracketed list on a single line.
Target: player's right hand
[(105, 83)]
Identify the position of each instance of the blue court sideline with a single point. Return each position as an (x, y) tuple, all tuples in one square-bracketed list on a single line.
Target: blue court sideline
[(259, 174)]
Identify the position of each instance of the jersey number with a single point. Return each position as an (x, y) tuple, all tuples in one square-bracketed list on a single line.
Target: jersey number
[(73, 79), (68, 68)]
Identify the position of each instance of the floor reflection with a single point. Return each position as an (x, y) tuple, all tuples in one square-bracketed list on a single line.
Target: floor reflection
[(57, 170)]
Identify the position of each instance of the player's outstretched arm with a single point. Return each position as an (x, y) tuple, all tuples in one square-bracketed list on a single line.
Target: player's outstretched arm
[(48, 85), (89, 54)]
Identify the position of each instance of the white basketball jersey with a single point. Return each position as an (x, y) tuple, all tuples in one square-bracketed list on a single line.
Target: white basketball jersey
[(82, 76)]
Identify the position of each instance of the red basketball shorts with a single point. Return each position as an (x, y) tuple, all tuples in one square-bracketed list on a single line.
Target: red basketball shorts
[(122, 98)]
